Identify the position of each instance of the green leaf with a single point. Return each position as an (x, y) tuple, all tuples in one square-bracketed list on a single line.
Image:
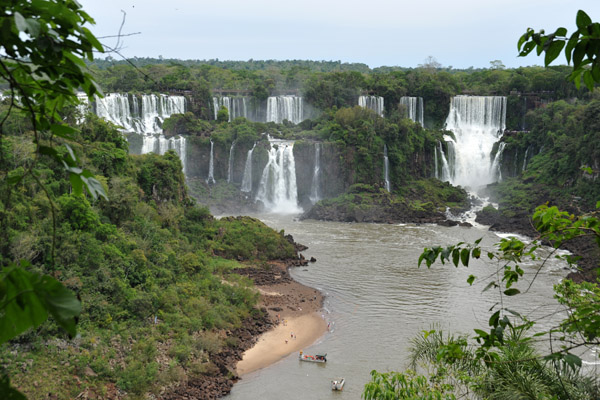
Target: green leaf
[(573, 40), (29, 298), (20, 22), (471, 279), (511, 292), (578, 55), (560, 32), (582, 19), (494, 318), (588, 79), (553, 51), (489, 285), (455, 257), (63, 131), (76, 183), (60, 302), (476, 252), (464, 257)]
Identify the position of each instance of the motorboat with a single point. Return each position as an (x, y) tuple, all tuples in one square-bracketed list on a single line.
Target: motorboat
[(338, 384), (318, 358)]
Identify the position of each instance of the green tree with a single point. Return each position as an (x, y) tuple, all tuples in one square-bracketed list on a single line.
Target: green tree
[(43, 45), (223, 114)]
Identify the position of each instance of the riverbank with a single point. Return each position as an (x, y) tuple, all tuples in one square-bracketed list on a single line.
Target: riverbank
[(295, 311), (285, 306)]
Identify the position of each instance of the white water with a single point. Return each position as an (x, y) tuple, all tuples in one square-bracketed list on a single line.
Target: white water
[(495, 168), (436, 173), (315, 191), (414, 108), (446, 174), (278, 191), (247, 178), (143, 114), (525, 160), (386, 168), (230, 167), (83, 107), (374, 103), (160, 145), (211, 167), (236, 106), (477, 123), (285, 107)]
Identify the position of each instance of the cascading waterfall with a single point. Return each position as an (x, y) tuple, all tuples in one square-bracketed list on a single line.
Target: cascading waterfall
[(436, 173), (141, 114), (236, 106), (374, 103), (446, 174), (315, 191), (477, 123), (525, 159), (144, 115), (211, 167), (285, 107), (230, 168), (247, 178), (278, 191), (495, 167), (414, 108), (386, 168), (83, 107)]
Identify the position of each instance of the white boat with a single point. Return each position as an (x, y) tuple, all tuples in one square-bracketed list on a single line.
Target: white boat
[(338, 384), (318, 358)]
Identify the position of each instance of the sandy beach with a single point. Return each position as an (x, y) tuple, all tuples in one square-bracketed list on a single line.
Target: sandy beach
[(297, 308)]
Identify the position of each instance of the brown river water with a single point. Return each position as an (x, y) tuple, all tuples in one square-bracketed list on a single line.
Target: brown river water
[(377, 300)]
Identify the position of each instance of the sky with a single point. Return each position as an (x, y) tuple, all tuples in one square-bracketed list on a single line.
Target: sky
[(458, 33)]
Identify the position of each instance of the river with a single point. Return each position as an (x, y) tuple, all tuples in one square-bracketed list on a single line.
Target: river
[(377, 300)]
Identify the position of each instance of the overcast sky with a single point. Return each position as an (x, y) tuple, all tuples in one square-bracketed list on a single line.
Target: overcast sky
[(459, 33)]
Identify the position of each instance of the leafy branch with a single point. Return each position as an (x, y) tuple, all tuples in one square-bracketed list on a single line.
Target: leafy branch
[(582, 47)]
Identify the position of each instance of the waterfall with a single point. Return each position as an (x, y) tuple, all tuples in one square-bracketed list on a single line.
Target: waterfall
[(114, 107), (386, 168), (247, 179), (477, 123), (278, 191), (315, 191), (414, 108), (374, 103), (230, 168), (160, 145), (236, 106), (82, 108), (495, 167), (285, 107), (211, 167), (525, 159), (435, 160), (446, 174), (141, 114)]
